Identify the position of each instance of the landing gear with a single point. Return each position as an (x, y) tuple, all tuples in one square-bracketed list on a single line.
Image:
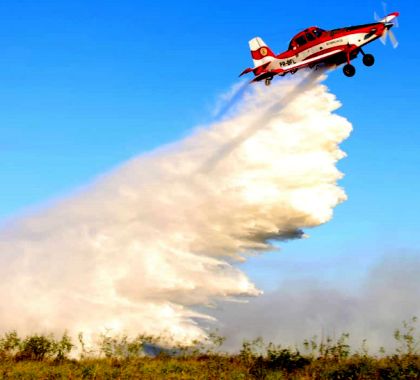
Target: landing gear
[(368, 59), (349, 70), (268, 81)]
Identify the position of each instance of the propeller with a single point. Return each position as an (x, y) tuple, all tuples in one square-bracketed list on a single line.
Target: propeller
[(388, 25), (392, 38)]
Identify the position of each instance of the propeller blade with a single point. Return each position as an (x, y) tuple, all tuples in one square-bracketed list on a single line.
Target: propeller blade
[(376, 17), (393, 39), (384, 8), (396, 23), (383, 37)]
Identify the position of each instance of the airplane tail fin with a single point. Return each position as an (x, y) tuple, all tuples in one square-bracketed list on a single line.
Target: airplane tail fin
[(260, 52)]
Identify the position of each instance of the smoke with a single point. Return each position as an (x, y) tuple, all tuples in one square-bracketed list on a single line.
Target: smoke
[(138, 248), (303, 307)]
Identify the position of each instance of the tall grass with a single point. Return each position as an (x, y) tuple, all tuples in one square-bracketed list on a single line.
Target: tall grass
[(145, 357)]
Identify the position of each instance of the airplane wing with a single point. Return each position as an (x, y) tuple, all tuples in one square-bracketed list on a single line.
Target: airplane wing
[(309, 62)]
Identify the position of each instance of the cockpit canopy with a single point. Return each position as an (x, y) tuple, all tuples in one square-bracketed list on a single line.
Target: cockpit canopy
[(308, 35)]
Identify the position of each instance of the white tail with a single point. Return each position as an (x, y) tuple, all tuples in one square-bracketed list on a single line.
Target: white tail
[(260, 52)]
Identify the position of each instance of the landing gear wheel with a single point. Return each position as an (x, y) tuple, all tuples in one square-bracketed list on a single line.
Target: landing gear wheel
[(349, 70), (268, 81), (368, 60)]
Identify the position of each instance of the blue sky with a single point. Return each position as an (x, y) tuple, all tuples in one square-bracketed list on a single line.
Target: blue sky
[(86, 85)]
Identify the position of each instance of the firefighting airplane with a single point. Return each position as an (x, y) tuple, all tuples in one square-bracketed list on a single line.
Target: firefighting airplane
[(314, 47)]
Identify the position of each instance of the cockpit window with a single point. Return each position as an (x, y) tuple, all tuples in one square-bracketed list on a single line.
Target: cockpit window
[(301, 40), (318, 32), (310, 37)]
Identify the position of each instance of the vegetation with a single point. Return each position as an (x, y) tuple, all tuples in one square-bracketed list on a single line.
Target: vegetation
[(45, 357)]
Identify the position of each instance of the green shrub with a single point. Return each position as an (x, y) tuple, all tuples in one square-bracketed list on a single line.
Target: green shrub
[(35, 347), (285, 359), (9, 345), (406, 339)]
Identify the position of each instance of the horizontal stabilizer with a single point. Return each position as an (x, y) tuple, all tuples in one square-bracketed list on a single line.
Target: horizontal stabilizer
[(246, 71), (256, 70), (268, 74)]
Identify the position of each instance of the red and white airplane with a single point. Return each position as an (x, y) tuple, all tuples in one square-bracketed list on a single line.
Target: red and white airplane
[(314, 47)]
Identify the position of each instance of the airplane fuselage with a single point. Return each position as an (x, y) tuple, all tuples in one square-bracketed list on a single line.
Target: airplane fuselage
[(325, 48)]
